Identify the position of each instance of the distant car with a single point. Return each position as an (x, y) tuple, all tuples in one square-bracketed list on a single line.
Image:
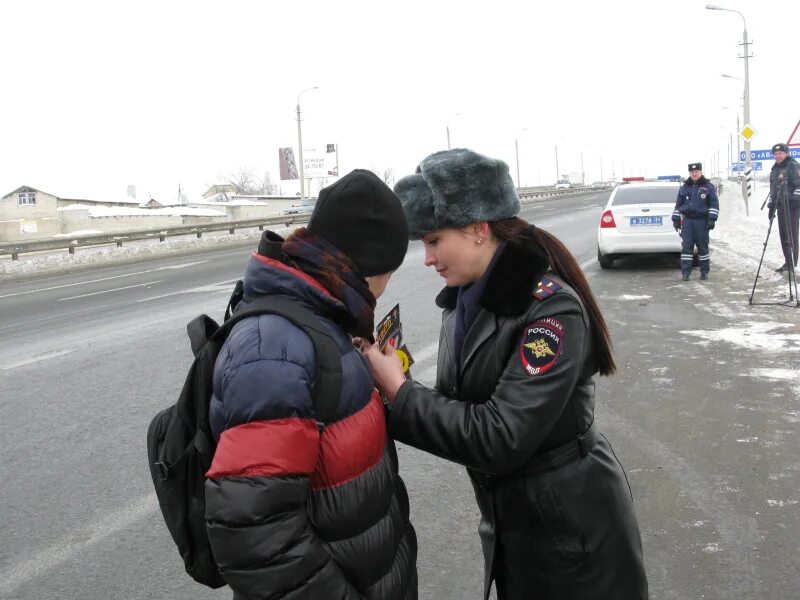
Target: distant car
[(638, 220), (563, 184), (299, 209)]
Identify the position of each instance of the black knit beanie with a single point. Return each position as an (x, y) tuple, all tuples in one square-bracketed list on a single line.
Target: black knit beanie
[(362, 217)]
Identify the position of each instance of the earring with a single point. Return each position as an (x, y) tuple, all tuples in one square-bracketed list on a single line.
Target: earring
[(479, 241)]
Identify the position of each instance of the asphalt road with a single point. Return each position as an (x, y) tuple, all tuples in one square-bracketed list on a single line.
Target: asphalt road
[(700, 414)]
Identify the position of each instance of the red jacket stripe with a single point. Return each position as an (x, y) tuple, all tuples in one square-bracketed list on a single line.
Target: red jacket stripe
[(284, 267), (267, 449), (351, 446)]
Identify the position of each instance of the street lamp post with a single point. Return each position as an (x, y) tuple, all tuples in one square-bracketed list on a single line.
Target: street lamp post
[(748, 164), (448, 128), (557, 175), (300, 144), (516, 147), (738, 160)]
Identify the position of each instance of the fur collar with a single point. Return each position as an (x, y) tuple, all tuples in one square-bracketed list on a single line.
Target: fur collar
[(511, 283), (701, 181)]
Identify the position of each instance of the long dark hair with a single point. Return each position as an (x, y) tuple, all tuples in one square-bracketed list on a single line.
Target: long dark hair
[(518, 232)]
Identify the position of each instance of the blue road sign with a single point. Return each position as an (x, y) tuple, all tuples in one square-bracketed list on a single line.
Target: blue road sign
[(767, 154), (757, 166)]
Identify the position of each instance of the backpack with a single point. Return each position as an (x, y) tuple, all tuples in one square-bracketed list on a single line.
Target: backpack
[(180, 445)]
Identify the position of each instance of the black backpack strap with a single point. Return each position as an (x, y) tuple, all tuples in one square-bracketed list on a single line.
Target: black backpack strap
[(328, 373), (236, 297)]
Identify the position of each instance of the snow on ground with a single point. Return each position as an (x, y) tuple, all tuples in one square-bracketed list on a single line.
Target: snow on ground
[(738, 239), (61, 261), (127, 211), (737, 242)]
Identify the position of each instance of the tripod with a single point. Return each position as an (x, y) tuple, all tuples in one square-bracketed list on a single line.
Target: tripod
[(782, 204)]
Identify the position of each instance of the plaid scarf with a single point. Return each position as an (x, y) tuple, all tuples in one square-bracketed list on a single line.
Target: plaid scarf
[(338, 274)]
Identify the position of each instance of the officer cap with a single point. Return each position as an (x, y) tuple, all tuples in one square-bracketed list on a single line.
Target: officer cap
[(695, 166), (780, 147)]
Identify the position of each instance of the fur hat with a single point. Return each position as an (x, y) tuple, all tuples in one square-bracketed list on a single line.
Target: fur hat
[(695, 166), (780, 147), (362, 217), (454, 188)]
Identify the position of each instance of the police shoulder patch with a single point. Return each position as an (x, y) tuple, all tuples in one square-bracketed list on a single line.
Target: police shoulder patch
[(545, 288), (541, 346)]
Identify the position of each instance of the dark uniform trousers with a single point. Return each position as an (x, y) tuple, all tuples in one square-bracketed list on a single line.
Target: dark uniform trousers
[(694, 233), (789, 223)]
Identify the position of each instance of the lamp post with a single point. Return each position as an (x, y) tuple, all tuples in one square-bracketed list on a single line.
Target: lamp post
[(516, 147), (748, 164), (557, 175), (448, 128), (300, 144), (738, 160)]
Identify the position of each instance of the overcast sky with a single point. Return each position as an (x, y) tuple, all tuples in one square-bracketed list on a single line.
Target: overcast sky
[(99, 95)]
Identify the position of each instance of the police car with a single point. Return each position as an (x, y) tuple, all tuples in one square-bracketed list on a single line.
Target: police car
[(638, 220)]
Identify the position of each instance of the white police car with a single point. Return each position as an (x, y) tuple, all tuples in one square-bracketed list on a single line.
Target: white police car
[(638, 220)]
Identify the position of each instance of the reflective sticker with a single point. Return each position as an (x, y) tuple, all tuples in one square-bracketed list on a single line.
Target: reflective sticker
[(541, 346)]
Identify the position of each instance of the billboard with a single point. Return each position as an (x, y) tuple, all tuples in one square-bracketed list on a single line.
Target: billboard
[(288, 166), (318, 161), (321, 161)]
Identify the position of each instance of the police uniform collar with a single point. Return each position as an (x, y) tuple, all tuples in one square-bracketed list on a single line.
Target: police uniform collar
[(701, 181), (508, 289)]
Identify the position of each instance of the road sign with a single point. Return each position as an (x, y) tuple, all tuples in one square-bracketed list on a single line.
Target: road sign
[(757, 166), (748, 132), (767, 154), (794, 139)]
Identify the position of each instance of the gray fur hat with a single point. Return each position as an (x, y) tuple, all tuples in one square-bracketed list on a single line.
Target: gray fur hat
[(454, 188)]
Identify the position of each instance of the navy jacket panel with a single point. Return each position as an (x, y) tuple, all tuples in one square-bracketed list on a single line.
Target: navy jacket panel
[(698, 200)]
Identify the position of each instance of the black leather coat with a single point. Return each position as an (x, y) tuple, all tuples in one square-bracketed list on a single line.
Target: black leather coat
[(557, 516)]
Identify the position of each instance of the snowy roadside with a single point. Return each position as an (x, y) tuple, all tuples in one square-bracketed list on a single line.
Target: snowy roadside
[(35, 264), (739, 237), (736, 245)]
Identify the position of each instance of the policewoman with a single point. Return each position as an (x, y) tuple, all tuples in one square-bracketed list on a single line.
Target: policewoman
[(521, 341), (698, 204)]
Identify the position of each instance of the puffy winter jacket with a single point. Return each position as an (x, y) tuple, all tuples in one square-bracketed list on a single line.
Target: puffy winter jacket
[(788, 171), (292, 513), (697, 200)]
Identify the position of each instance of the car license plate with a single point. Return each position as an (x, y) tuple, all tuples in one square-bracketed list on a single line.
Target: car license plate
[(645, 220)]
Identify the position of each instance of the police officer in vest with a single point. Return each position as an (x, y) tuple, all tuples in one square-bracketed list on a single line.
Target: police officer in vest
[(784, 198), (698, 205)]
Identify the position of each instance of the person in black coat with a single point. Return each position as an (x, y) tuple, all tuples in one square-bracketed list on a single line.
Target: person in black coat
[(521, 341), (784, 200)]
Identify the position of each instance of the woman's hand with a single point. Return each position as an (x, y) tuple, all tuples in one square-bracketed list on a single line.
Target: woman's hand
[(385, 366)]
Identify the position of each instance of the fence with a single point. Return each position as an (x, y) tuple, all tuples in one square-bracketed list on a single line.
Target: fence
[(71, 243)]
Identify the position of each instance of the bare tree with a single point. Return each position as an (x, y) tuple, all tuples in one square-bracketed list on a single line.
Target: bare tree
[(267, 187), (388, 176), (244, 181), (320, 182)]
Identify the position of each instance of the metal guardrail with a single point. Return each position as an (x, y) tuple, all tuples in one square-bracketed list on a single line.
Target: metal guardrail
[(71, 243), (551, 192)]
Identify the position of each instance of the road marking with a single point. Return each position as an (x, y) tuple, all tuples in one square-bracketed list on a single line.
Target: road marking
[(79, 541), (222, 286), (183, 266), (127, 287), (66, 285), (34, 359)]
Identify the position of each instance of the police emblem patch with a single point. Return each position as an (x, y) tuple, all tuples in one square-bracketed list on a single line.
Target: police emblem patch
[(541, 346), (703, 196)]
